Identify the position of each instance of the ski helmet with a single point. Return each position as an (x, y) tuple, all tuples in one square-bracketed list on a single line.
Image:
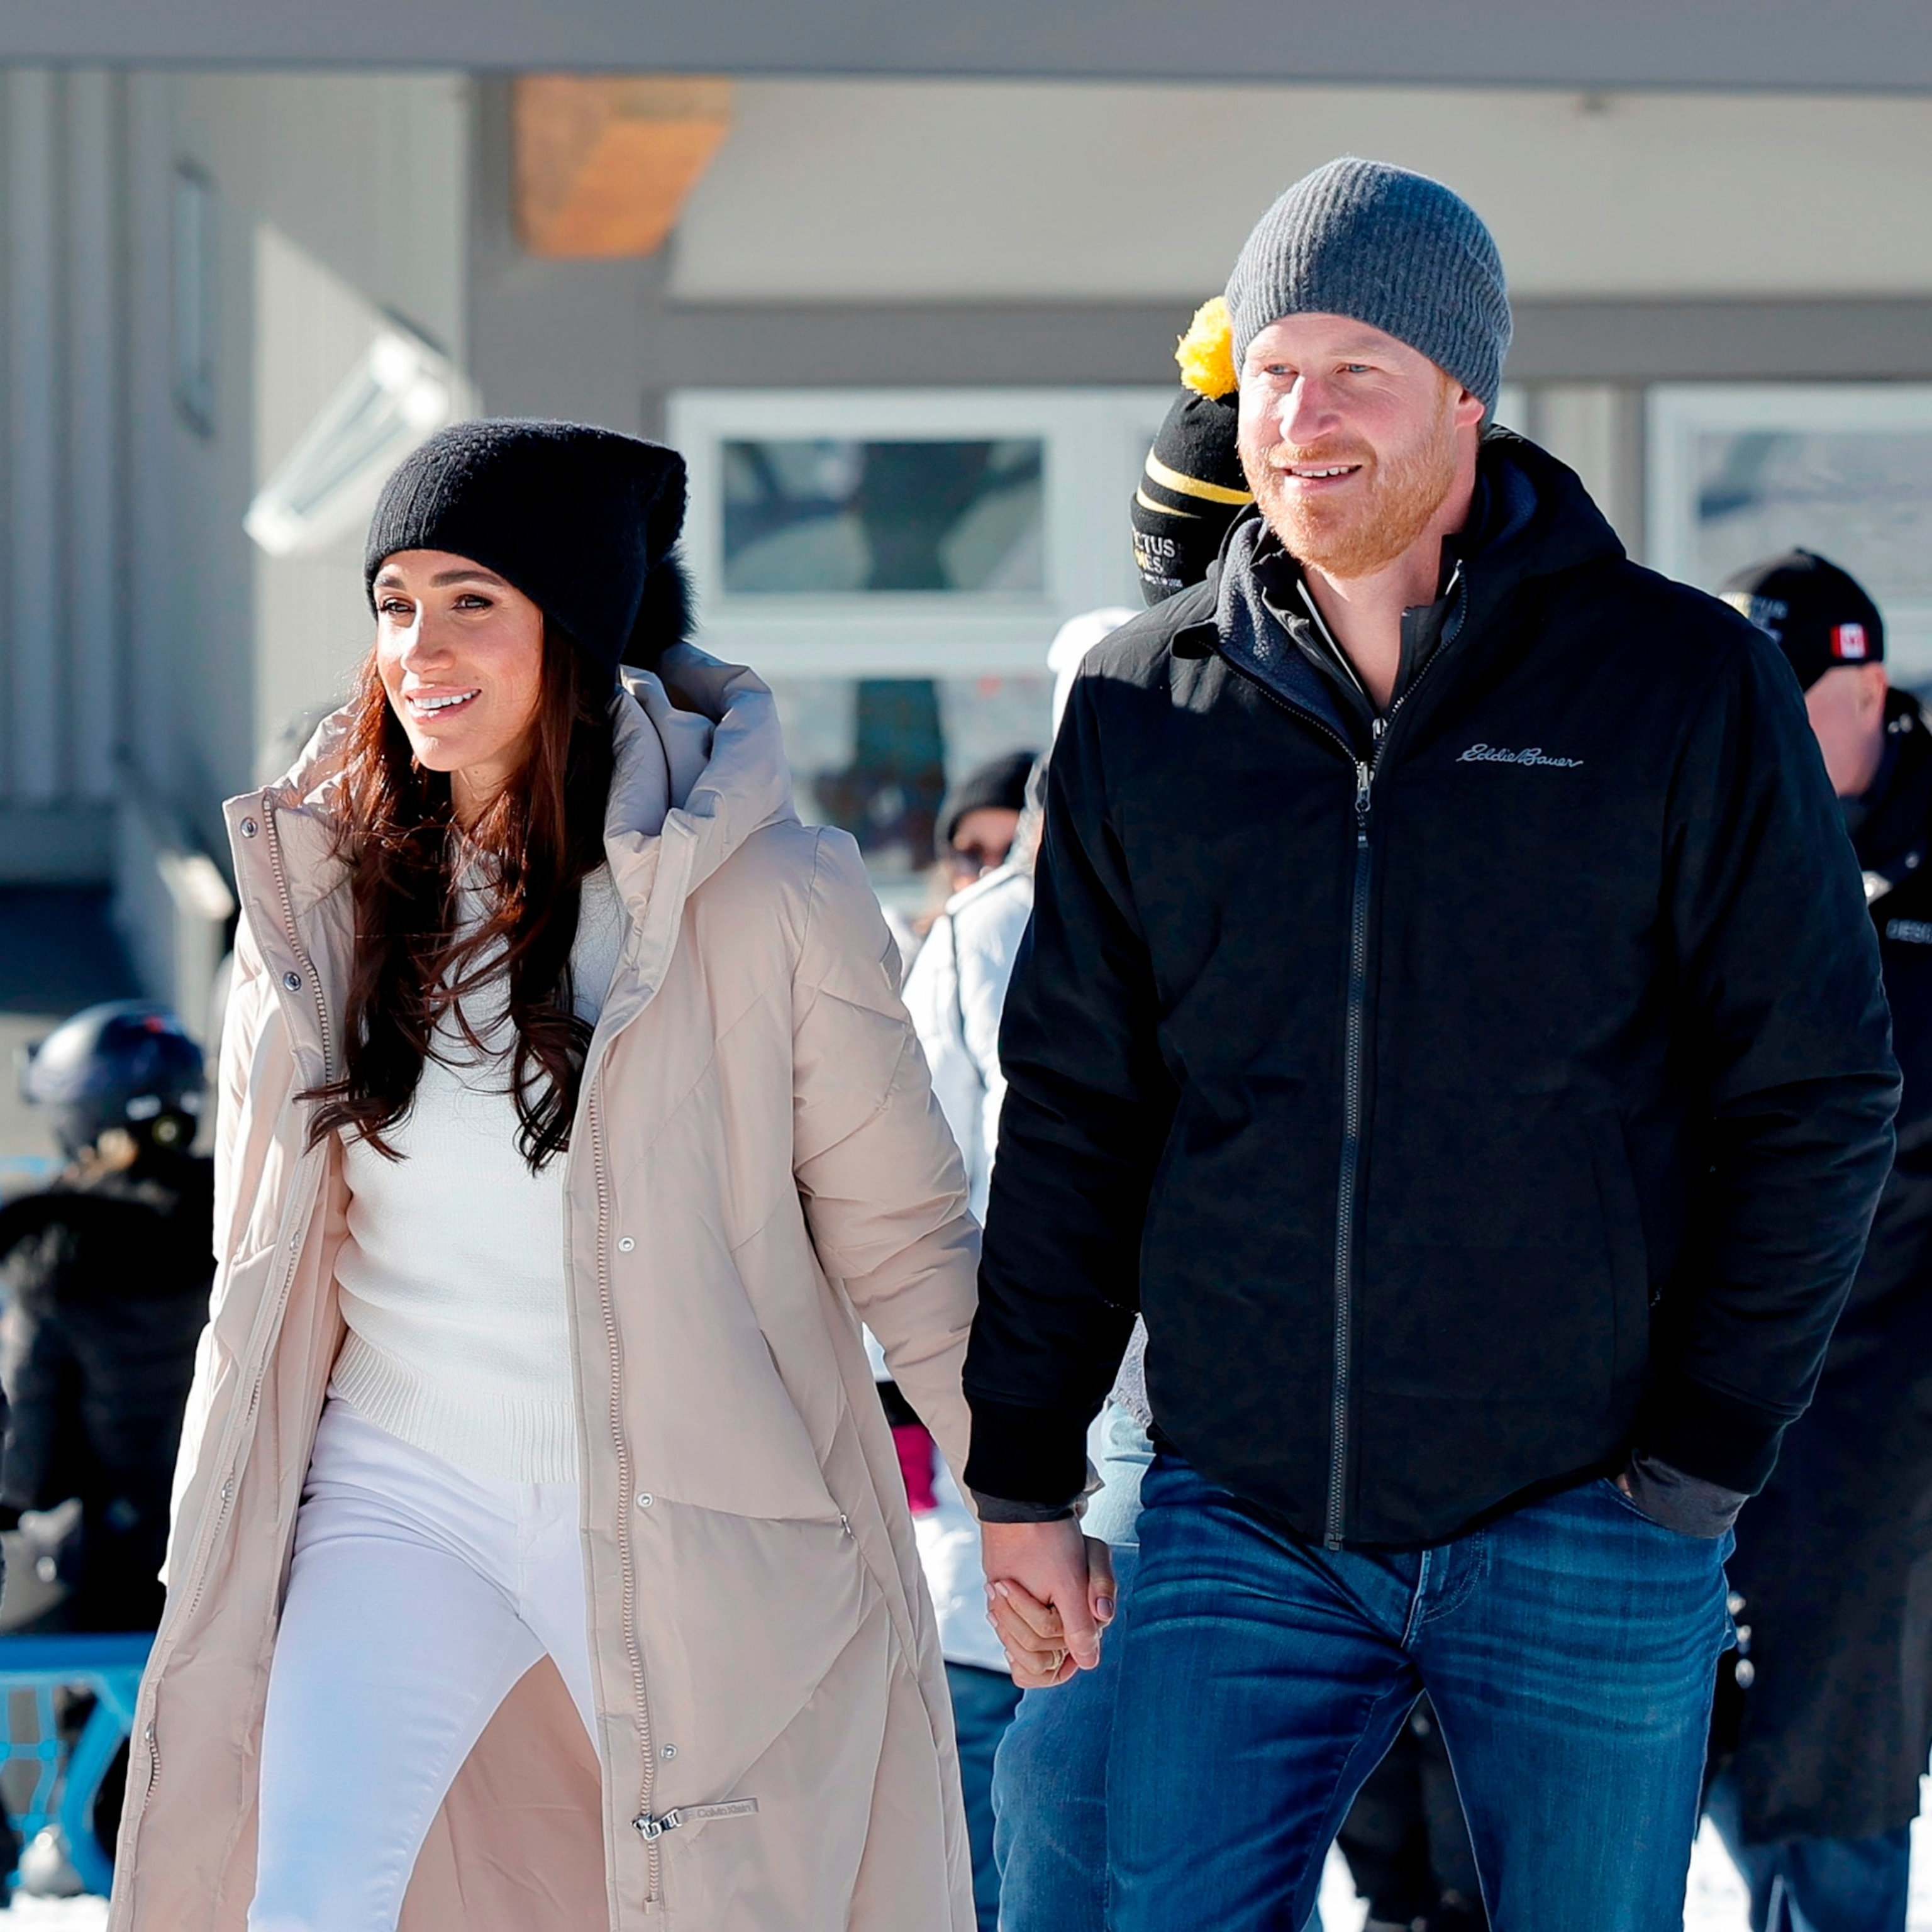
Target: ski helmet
[(125, 1064)]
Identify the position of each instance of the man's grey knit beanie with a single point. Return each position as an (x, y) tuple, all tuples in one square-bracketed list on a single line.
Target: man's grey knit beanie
[(1395, 249)]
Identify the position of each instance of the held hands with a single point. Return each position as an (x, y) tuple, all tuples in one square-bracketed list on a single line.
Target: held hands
[(1049, 1596)]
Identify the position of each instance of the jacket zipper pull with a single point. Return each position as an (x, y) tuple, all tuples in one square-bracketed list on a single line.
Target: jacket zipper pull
[(652, 1829), (1362, 777)]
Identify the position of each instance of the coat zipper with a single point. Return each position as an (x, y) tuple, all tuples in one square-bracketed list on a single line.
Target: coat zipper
[(1355, 1059), (1354, 1100), (1354, 1035), (308, 972), (650, 1829)]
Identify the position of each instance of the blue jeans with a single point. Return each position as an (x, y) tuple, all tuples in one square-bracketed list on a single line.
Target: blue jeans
[(1818, 1885), (983, 1707), (1568, 1648), (1050, 1783), (1050, 1796)]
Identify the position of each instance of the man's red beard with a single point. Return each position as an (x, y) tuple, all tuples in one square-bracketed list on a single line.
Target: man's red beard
[(1365, 526)]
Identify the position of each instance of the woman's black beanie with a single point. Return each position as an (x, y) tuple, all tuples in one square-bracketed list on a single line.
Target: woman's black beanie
[(583, 521)]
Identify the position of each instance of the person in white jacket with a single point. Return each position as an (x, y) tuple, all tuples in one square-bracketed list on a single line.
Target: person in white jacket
[(955, 991), (957, 984)]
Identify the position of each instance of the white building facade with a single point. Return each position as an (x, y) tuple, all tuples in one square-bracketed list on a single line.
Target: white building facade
[(966, 290)]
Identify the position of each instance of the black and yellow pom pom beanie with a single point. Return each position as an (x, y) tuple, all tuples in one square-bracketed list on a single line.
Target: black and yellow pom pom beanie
[(1191, 487)]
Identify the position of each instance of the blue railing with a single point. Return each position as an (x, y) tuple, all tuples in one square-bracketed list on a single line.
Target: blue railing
[(110, 1667)]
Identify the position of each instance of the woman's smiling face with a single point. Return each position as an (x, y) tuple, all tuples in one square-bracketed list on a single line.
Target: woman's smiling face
[(460, 655)]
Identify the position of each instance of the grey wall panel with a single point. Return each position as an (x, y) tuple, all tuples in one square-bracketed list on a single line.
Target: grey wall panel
[(34, 532), (95, 558), (62, 585), (942, 344), (1854, 43), (1760, 341), (914, 344), (157, 615)]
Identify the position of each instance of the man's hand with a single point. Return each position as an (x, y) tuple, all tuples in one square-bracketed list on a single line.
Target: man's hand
[(1049, 1594)]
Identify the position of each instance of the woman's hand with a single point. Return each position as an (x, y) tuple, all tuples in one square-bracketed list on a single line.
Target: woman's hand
[(1049, 1595)]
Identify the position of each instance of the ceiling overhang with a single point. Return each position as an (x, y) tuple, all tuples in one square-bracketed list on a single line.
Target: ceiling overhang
[(1854, 45)]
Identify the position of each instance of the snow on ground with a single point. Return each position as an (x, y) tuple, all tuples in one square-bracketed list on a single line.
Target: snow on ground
[(59, 1915), (1716, 1903)]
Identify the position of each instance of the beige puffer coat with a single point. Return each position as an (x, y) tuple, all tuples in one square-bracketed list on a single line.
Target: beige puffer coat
[(757, 1162)]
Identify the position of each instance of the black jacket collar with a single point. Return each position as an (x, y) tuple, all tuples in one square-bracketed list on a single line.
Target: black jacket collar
[(1533, 519)]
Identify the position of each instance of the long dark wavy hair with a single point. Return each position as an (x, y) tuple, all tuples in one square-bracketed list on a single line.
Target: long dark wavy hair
[(408, 859)]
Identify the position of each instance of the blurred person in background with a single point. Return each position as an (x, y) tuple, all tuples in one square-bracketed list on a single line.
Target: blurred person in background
[(958, 983), (981, 817), (1824, 1719), (106, 1273), (977, 822)]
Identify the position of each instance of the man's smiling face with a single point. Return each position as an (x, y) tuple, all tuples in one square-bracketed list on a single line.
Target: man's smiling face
[(1350, 439)]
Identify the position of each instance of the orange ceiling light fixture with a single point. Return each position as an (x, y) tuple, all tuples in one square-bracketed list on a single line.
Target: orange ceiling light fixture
[(604, 162)]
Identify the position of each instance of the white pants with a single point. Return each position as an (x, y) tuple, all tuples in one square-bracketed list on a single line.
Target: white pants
[(420, 1595)]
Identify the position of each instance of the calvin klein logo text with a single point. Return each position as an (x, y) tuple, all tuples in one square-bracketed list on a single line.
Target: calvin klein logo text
[(1495, 755)]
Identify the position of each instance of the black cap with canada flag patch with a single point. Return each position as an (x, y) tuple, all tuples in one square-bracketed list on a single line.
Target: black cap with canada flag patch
[(1820, 616)]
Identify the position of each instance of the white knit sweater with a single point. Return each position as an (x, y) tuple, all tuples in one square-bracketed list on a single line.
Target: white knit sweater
[(452, 1279)]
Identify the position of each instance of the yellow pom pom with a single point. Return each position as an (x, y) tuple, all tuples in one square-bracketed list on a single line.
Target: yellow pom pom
[(1206, 353)]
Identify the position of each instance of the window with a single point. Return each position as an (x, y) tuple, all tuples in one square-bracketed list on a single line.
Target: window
[(807, 515), (895, 564), (195, 292), (1739, 472), (904, 533)]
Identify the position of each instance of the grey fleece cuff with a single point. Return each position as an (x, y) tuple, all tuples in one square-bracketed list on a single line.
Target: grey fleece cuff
[(1688, 1504), (1004, 1509), (1000, 1509)]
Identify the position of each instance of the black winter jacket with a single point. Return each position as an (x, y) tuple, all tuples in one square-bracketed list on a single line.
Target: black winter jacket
[(1834, 1560), (107, 1279), (1461, 1103)]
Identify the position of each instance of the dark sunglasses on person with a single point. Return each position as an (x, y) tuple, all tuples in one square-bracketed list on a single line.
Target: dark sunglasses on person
[(973, 861)]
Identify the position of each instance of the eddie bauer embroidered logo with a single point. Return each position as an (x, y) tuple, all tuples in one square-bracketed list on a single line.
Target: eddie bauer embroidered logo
[(1494, 754)]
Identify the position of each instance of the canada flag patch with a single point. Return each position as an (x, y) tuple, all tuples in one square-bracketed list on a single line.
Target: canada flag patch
[(1848, 643)]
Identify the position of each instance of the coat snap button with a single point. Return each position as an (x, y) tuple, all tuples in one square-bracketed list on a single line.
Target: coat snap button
[(624, 1247), (249, 828), (670, 1751), (645, 1500), (292, 981)]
